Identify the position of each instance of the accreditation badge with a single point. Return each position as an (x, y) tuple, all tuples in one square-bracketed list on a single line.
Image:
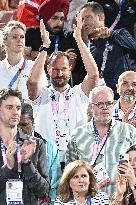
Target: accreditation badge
[(101, 175), (62, 138), (14, 189)]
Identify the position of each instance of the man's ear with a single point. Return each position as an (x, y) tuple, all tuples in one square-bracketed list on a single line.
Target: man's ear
[(90, 106), (101, 17)]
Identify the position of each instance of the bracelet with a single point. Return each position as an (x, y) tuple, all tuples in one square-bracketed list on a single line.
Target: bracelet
[(42, 48)]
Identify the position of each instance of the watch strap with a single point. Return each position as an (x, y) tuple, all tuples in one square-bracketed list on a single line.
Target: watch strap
[(42, 48)]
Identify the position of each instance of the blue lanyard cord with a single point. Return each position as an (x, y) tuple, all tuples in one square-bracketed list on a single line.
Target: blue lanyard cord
[(89, 201), (96, 134), (117, 17), (57, 39), (15, 77), (120, 4)]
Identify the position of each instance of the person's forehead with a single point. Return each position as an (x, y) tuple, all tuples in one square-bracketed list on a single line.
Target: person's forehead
[(12, 100), (131, 77), (102, 95), (16, 30), (58, 14), (60, 59), (132, 153), (86, 11)]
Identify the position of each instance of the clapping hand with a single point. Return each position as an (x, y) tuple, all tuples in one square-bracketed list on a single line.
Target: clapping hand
[(11, 149), (44, 35)]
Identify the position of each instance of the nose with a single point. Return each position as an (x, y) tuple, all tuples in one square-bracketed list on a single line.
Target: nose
[(59, 22), (15, 111), (60, 73), (80, 179), (19, 39), (104, 106)]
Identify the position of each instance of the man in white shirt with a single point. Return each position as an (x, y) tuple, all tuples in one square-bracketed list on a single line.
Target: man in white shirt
[(59, 109), (15, 69), (125, 108)]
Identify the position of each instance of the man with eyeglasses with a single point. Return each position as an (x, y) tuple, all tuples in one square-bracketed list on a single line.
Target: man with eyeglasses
[(101, 141), (125, 108)]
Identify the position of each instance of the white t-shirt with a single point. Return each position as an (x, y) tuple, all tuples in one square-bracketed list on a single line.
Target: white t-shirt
[(71, 113), (7, 72)]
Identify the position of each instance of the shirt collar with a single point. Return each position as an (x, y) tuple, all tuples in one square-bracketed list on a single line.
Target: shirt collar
[(51, 88), (113, 123), (7, 65)]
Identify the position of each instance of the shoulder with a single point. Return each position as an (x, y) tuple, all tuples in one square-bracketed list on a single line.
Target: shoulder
[(120, 32)]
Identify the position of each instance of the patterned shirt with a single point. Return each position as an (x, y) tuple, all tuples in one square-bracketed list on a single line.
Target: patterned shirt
[(100, 198), (121, 137)]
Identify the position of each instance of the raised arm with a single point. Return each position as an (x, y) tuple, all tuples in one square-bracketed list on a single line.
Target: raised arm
[(91, 79), (34, 81)]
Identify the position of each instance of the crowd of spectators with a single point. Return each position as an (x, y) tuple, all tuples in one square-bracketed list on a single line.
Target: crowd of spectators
[(68, 102)]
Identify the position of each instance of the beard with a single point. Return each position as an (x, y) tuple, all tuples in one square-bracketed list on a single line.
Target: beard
[(59, 82), (128, 96), (53, 31)]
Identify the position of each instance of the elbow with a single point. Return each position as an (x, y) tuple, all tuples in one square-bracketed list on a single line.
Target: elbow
[(94, 76), (32, 89)]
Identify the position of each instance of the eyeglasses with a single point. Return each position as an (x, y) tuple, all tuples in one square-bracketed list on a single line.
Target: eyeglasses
[(101, 105)]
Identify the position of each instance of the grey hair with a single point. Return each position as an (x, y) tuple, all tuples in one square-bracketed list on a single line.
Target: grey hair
[(98, 89), (11, 25)]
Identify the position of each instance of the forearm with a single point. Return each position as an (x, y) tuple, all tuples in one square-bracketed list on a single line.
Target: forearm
[(34, 81), (88, 60)]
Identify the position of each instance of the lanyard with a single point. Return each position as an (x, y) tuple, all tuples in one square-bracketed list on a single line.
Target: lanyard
[(108, 48), (55, 107), (117, 17), (97, 145), (17, 77), (3, 150), (57, 39)]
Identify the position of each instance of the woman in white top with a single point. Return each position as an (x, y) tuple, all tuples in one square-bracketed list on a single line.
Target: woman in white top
[(78, 186)]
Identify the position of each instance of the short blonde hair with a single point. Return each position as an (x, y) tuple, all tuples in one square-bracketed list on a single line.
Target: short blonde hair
[(11, 25)]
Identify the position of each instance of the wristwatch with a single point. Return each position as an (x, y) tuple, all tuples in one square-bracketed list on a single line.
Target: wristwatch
[(133, 187), (42, 48)]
